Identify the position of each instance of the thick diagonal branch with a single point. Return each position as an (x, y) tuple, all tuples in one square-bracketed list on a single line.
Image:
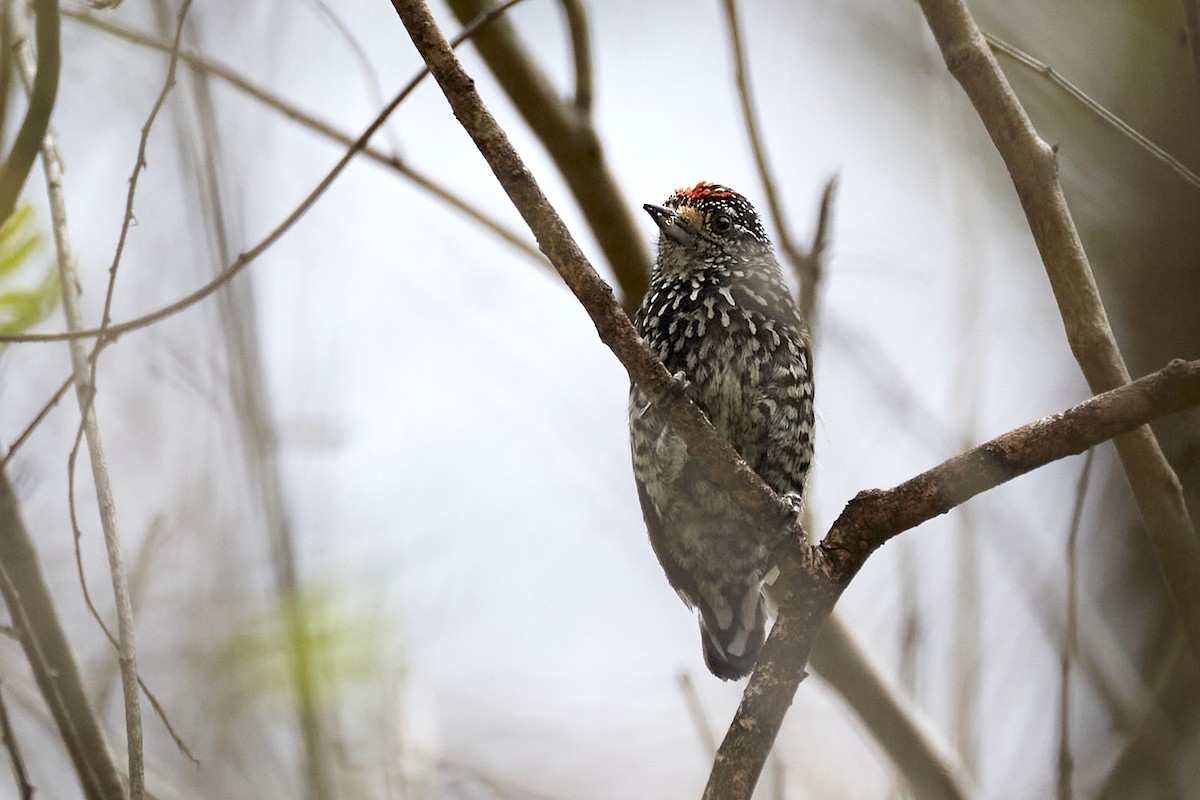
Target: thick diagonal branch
[(873, 517)]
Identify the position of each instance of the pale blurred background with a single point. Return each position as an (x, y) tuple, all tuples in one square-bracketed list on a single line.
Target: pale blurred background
[(424, 417)]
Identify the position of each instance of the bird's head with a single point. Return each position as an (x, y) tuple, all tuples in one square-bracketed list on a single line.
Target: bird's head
[(707, 222)]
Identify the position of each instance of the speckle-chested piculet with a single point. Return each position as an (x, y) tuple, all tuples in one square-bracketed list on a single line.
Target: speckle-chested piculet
[(721, 318)]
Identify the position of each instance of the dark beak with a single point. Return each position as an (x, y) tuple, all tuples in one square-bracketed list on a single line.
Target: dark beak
[(671, 224)]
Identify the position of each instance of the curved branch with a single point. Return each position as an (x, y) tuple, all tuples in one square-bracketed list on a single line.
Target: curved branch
[(41, 103), (1033, 168)]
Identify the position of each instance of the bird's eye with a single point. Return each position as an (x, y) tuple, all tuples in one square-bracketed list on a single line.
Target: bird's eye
[(722, 224)]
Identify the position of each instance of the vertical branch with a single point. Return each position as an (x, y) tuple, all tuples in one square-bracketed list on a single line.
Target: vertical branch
[(85, 391), (1191, 11), (1032, 165)]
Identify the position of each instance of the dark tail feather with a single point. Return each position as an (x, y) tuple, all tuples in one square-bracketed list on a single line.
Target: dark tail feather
[(731, 652)]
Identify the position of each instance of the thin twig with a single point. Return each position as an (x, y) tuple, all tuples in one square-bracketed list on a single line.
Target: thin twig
[(249, 256), (581, 52), (20, 774), (294, 113), (139, 165), (1032, 165), (37, 420), (1070, 642), (42, 95), (1044, 69), (85, 394)]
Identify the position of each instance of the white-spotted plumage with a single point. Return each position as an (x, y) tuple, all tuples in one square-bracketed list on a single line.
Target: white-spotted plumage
[(721, 318)]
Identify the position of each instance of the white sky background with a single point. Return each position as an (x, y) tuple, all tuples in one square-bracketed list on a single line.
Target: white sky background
[(453, 433)]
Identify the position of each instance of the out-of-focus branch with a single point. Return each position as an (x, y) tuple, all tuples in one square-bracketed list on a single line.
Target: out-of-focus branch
[(572, 142), (581, 53), (875, 516), (930, 767), (296, 114), (31, 607), (20, 773), (805, 268), (1191, 11), (1050, 73), (85, 390), (25, 148), (1070, 639), (1032, 166)]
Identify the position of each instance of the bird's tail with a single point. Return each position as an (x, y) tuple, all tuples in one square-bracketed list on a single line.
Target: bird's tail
[(731, 649)]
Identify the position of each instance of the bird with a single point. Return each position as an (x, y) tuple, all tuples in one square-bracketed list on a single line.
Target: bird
[(720, 316)]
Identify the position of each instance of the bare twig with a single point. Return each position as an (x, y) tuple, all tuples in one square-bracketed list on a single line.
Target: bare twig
[(37, 420), (25, 148), (249, 256), (292, 112), (1032, 166), (1042, 68), (139, 165), (1066, 763), (573, 144), (20, 774), (85, 393)]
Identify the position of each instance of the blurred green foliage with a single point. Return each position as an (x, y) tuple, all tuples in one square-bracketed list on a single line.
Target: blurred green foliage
[(22, 307), (264, 656)]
